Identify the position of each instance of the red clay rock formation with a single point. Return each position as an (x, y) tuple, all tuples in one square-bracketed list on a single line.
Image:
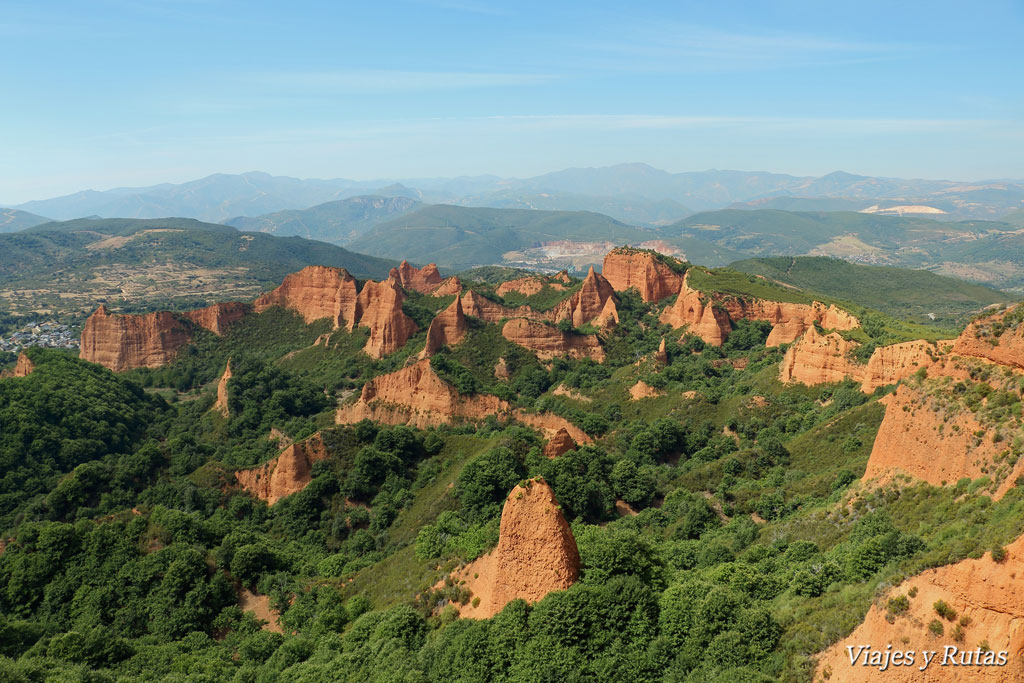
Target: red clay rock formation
[(316, 292), (501, 369), (221, 405), (890, 364), (288, 473), (218, 317), (984, 591), (550, 424), (984, 339), (547, 341), (819, 358), (24, 366), (560, 444), (479, 306), (701, 318), (536, 554), (123, 342), (625, 268), (450, 286), (643, 390), (608, 317), (421, 280), (447, 328), (589, 302), (416, 396), (533, 284), (937, 444), (661, 355), (381, 306)]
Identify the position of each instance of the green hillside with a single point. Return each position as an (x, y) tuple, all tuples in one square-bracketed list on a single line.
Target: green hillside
[(888, 239), (68, 267), (127, 541), (13, 220), (464, 237), (338, 222), (909, 294)]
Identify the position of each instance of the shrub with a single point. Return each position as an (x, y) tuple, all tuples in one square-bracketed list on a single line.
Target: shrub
[(999, 554), (935, 627), (898, 605), (944, 610)]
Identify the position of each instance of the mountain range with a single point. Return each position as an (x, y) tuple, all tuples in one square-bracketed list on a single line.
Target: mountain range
[(632, 192)]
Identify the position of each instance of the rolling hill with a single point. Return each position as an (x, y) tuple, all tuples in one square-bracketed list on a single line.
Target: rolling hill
[(67, 267), (901, 292), (339, 222), (13, 220)]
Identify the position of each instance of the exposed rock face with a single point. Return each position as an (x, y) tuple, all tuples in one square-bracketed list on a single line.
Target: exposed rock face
[(986, 592), (661, 355), (221, 405), (625, 268), (890, 364), (550, 424), (24, 366), (447, 328), (123, 342), (935, 443), (501, 369), (608, 317), (316, 292), (381, 306), (219, 317), (421, 280), (560, 444), (643, 390), (984, 339), (450, 286), (819, 358), (548, 341), (288, 473), (710, 316), (700, 317), (481, 307), (527, 286), (589, 302), (416, 396), (536, 553)]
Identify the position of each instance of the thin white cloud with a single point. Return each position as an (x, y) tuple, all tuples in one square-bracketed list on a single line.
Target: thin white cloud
[(386, 80)]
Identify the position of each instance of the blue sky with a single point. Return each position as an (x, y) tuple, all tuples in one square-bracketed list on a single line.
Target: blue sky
[(135, 92)]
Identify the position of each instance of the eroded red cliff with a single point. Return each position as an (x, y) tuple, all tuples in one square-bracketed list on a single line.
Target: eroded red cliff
[(381, 307), (219, 317), (547, 341), (625, 268), (317, 292), (123, 342), (536, 554), (288, 473), (422, 280), (447, 328)]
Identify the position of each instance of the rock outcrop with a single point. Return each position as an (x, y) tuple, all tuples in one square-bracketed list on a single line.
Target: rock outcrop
[(819, 358), (447, 328), (643, 270), (24, 366), (479, 306), (380, 304), (996, 337), (219, 317), (536, 554), (560, 444), (698, 315), (416, 396), (450, 286), (528, 286), (661, 355), (591, 302), (547, 341), (123, 342), (316, 292), (288, 473), (984, 591), (221, 404), (422, 280), (711, 316), (643, 390)]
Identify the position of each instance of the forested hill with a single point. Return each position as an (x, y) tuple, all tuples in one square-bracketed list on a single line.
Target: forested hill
[(169, 262), (914, 294)]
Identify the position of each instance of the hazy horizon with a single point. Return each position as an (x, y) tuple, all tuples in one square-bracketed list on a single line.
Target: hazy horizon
[(132, 94)]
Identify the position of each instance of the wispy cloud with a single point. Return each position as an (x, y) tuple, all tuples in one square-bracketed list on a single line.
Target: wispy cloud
[(673, 46), (385, 80)]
